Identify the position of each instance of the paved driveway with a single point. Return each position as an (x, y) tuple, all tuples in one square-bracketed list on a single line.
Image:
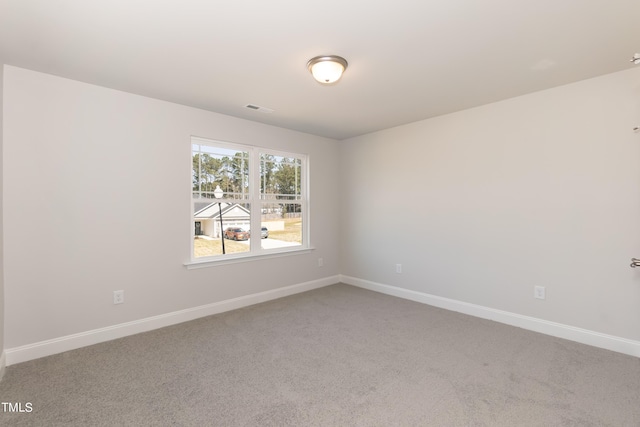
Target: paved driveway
[(269, 243)]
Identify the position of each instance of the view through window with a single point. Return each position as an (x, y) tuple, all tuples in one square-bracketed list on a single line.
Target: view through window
[(246, 199)]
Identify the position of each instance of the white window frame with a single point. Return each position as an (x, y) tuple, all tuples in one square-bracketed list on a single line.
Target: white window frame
[(255, 202)]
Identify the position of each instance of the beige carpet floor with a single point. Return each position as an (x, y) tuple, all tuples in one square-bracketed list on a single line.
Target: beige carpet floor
[(336, 356)]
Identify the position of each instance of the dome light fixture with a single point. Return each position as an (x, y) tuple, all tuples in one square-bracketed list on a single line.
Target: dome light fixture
[(327, 69), (636, 59)]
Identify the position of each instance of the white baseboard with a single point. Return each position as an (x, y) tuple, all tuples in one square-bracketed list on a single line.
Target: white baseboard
[(70, 342), (83, 339), (584, 336)]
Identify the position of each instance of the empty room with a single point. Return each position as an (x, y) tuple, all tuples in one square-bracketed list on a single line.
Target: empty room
[(320, 214)]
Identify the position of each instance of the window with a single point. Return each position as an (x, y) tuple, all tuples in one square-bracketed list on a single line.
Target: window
[(246, 201)]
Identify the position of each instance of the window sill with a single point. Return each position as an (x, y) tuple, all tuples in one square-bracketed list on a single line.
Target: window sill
[(240, 258)]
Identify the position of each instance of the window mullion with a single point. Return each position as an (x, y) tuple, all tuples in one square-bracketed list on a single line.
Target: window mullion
[(254, 199)]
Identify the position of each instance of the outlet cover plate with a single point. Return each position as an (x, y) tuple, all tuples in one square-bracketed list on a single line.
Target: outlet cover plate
[(118, 297)]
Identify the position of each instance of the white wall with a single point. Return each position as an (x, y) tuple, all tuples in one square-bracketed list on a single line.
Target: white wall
[(96, 199), (484, 204), (481, 205), (2, 357)]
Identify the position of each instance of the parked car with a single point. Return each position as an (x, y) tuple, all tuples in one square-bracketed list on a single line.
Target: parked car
[(264, 232), (236, 233)]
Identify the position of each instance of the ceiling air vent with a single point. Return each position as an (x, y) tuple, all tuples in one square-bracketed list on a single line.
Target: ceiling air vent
[(259, 108)]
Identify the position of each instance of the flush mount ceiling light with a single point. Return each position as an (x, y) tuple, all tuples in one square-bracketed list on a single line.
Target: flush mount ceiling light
[(327, 69), (636, 58)]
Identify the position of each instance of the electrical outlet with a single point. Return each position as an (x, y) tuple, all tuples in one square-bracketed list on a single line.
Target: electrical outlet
[(118, 297), (320, 262), (538, 292), (399, 268)]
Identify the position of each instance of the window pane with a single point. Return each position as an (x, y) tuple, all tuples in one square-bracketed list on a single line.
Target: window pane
[(280, 177), (216, 166), (208, 240), (283, 223)]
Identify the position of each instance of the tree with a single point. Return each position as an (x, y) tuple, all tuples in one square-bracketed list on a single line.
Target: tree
[(288, 183), (233, 174), (205, 170), (267, 168)]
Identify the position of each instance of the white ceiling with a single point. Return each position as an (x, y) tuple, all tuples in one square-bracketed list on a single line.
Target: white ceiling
[(408, 59)]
